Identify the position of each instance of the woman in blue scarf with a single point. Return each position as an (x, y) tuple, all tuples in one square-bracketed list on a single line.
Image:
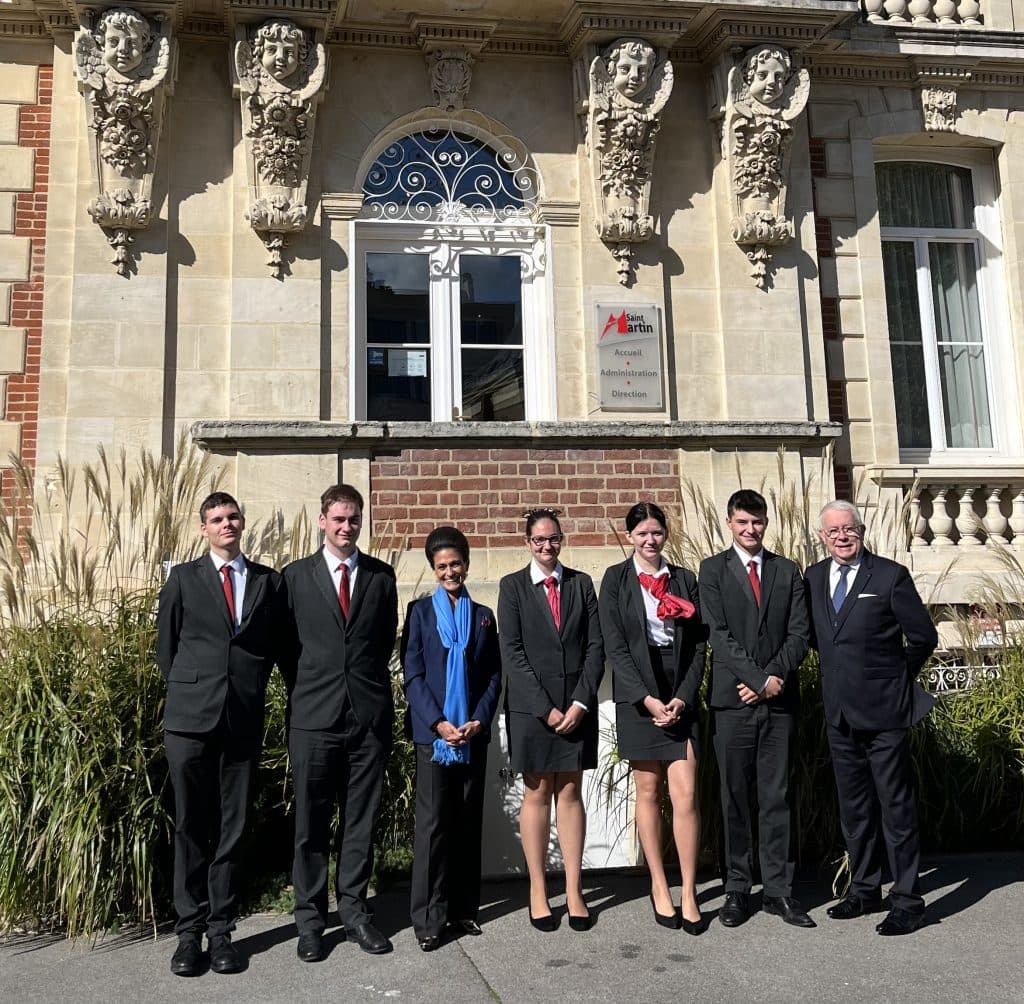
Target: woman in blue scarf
[(452, 678)]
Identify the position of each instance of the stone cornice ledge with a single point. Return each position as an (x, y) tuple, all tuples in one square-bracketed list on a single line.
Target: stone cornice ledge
[(275, 435)]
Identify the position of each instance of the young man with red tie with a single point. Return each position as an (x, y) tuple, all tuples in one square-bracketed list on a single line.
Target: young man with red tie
[(753, 604), (343, 623), (218, 623)]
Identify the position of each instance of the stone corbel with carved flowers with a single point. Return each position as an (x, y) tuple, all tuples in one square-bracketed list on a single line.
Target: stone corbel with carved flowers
[(765, 97), (125, 63), (629, 87), (280, 70)]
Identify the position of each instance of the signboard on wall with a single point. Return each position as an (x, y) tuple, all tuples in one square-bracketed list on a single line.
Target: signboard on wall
[(629, 357)]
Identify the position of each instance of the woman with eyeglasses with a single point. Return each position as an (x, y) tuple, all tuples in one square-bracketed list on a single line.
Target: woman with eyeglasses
[(452, 677), (553, 657), (655, 643)]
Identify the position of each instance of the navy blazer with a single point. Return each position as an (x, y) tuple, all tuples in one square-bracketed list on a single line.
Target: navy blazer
[(424, 666), (873, 649), (624, 627)]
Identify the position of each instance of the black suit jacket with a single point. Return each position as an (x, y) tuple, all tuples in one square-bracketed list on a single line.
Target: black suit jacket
[(873, 649), (208, 666), (549, 667), (624, 628), (424, 665), (327, 657), (751, 643)]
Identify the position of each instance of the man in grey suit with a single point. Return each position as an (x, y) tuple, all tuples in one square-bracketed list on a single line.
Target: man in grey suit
[(343, 608), (873, 635), (753, 604), (217, 627)]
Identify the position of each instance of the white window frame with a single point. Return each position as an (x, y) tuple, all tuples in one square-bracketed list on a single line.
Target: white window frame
[(985, 237), (444, 243)]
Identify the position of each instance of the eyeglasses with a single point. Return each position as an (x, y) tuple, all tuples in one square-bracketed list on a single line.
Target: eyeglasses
[(843, 531), (555, 538)]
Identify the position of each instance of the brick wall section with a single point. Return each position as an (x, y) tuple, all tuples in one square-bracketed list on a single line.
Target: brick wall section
[(22, 399), (486, 492)]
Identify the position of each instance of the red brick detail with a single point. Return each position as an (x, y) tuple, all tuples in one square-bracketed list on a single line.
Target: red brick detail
[(22, 402), (817, 155), (830, 325), (836, 401), (486, 492)]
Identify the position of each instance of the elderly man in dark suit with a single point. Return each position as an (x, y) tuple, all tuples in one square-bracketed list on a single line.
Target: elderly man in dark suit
[(344, 621), (874, 635), (217, 625), (753, 604)]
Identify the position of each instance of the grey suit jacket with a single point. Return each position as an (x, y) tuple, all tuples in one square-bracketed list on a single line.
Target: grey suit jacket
[(549, 667)]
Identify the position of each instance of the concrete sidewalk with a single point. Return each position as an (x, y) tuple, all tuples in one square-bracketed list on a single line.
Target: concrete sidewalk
[(970, 951)]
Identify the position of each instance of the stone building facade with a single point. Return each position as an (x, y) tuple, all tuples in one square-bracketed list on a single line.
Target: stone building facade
[(565, 252)]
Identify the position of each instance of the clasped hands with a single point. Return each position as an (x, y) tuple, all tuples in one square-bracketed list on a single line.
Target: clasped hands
[(564, 722), (664, 714), (775, 686), (457, 737)]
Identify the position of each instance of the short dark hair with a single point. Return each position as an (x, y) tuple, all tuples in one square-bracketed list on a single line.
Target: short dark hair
[(642, 511), (340, 493), (215, 499), (533, 515), (747, 500), (443, 537)]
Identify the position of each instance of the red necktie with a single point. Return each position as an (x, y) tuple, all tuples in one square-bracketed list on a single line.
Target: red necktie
[(669, 606), (229, 592), (552, 583), (755, 582), (343, 593)]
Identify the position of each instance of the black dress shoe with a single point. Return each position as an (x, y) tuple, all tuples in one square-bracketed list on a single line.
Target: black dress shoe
[(854, 906), (310, 947), (696, 927), (581, 923), (900, 922), (431, 943), (669, 920), (788, 909), (735, 910), (546, 923), (470, 927), (224, 957), (187, 959), (369, 939)]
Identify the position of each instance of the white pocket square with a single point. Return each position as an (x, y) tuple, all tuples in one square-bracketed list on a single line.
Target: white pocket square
[(867, 596)]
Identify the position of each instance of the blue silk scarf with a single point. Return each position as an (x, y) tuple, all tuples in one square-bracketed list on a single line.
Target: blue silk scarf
[(453, 627)]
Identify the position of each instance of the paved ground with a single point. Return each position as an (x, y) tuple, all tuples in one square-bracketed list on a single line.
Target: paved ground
[(971, 951)]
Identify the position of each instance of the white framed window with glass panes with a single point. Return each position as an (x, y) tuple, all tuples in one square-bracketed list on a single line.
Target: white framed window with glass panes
[(449, 295), (949, 341)]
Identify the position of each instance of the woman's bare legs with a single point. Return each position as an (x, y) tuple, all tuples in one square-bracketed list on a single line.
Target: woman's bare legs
[(682, 791), (647, 780), (535, 832), (571, 826)]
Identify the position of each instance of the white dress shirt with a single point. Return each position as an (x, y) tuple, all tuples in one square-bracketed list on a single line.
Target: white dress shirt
[(757, 559), (334, 564), (659, 632), (238, 574), (833, 576)]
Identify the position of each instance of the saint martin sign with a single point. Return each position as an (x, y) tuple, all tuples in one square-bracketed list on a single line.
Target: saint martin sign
[(629, 357)]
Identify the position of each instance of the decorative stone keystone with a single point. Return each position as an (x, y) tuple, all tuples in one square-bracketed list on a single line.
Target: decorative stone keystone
[(280, 70), (629, 87), (938, 104), (125, 64), (765, 96)]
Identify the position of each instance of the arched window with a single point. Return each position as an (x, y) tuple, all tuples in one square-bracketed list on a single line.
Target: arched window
[(451, 320)]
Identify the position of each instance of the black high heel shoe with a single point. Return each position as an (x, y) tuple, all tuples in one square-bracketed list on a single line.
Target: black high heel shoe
[(696, 927), (581, 923), (671, 921), (546, 924)]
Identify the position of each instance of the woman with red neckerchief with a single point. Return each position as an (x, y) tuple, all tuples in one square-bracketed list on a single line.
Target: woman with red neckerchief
[(654, 642)]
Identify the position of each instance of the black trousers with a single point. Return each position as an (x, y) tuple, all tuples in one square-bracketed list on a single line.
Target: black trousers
[(753, 746), (211, 773), (877, 801), (446, 851), (343, 768)]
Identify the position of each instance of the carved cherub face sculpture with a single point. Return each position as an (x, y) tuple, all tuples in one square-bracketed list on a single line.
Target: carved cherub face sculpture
[(765, 71), (123, 37), (629, 66), (280, 46)]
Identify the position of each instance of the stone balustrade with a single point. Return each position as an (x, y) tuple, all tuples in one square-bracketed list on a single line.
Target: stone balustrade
[(920, 13), (966, 514)]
